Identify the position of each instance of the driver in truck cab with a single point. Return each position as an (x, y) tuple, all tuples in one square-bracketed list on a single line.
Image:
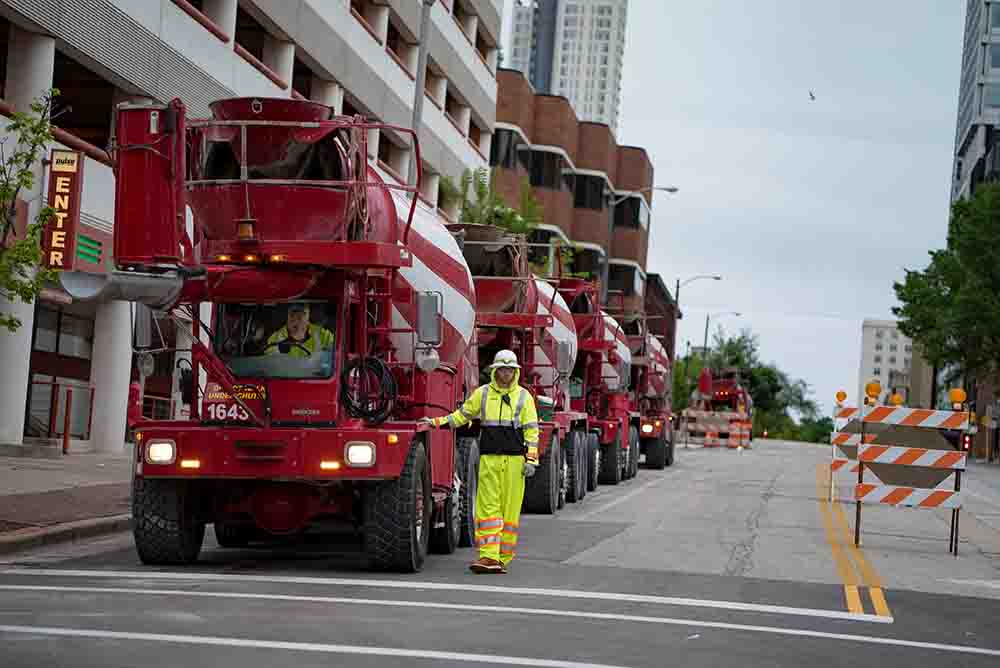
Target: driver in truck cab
[(301, 338)]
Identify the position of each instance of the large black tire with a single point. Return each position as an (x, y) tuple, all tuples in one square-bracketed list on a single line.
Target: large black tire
[(656, 453), (633, 452), (581, 464), (612, 462), (573, 471), (398, 516), (467, 464), (593, 461), (541, 491), (233, 535), (444, 539), (670, 451), (166, 527), (563, 480)]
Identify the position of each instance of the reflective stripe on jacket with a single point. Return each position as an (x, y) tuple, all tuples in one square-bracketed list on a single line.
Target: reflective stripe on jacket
[(509, 414)]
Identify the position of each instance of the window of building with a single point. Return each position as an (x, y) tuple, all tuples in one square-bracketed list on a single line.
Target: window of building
[(994, 18), (879, 333), (302, 78), (894, 334), (991, 96), (86, 101), (878, 359), (546, 170), (892, 347), (876, 371), (631, 213), (250, 34), (892, 360), (908, 348), (906, 362), (588, 192), (572, 9), (625, 279), (878, 346), (57, 331), (602, 35)]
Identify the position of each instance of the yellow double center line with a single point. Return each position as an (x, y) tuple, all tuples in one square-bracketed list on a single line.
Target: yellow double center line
[(848, 559)]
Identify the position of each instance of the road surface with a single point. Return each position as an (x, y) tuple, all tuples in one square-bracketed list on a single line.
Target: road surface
[(727, 558)]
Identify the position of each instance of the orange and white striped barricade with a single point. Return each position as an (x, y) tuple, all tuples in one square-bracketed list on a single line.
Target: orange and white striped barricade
[(844, 443), (699, 424), (739, 434), (916, 466)]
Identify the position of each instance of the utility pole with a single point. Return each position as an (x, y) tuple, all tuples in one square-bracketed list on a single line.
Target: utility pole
[(418, 93)]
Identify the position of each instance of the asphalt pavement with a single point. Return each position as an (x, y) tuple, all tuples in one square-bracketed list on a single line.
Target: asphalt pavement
[(725, 557)]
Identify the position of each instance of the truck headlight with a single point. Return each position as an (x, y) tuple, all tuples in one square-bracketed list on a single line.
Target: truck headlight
[(360, 454), (161, 451), (647, 429)]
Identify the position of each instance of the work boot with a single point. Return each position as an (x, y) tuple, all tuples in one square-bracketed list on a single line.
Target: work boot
[(503, 568), (486, 565)]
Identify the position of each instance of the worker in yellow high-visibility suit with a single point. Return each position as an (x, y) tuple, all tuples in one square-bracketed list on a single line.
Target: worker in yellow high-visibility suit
[(508, 453)]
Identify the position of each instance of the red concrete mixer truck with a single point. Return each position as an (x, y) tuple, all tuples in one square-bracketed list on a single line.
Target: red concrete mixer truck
[(328, 311), (599, 385), (518, 311), (650, 398)]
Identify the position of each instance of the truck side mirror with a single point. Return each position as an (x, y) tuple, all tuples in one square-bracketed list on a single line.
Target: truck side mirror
[(564, 361), (142, 327), (429, 321)]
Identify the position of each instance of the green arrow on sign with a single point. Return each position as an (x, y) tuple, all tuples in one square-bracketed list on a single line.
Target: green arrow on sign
[(88, 249)]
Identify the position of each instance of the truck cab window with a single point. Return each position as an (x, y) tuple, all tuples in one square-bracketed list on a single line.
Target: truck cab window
[(295, 340)]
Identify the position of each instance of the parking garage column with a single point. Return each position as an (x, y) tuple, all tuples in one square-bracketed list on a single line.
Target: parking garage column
[(111, 370), (30, 66)]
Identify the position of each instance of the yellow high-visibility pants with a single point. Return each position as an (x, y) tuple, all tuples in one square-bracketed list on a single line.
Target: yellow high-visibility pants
[(498, 505)]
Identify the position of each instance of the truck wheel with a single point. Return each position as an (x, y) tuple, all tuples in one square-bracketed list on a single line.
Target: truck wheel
[(468, 472), (633, 452), (573, 472), (541, 493), (656, 453), (563, 480), (670, 452), (611, 462), (581, 464), (398, 516), (166, 527), (593, 461), (232, 535)]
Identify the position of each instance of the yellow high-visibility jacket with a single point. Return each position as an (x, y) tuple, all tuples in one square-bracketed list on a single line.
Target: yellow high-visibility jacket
[(320, 338), (506, 415)]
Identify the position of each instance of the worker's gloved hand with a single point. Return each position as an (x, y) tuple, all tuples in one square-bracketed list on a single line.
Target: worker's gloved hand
[(529, 469), (426, 421)]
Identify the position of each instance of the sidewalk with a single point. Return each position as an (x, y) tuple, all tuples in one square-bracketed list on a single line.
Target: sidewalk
[(50, 500)]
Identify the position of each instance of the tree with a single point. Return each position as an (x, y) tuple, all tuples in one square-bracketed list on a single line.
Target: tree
[(483, 205), (21, 274), (952, 307)]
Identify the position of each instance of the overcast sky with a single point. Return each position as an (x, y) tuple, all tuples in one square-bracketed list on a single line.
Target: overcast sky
[(808, 209)]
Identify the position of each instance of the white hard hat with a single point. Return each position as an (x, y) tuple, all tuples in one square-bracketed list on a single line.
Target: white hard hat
[(505, 358)]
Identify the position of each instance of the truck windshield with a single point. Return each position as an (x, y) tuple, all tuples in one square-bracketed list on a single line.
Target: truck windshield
[(277, 340)]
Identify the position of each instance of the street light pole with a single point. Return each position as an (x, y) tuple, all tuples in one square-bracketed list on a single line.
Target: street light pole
[(704, 347), (418, 93), (612, 203)]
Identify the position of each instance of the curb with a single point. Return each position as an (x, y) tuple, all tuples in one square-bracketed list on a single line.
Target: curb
[(23, 539)]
